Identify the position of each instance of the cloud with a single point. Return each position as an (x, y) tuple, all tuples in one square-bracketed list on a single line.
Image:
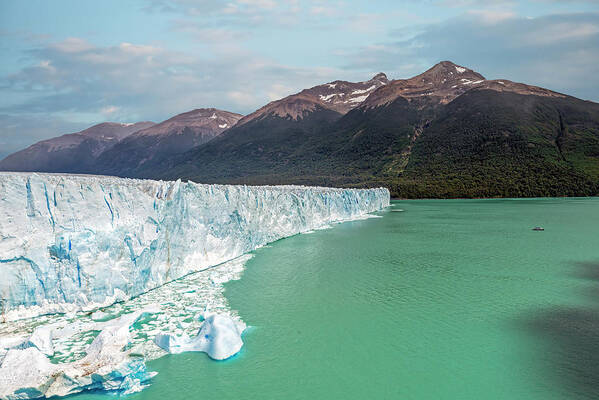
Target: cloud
[(491, 16), (77, 79), (109, 110), (140, 82), (219, 8), (559, 51)]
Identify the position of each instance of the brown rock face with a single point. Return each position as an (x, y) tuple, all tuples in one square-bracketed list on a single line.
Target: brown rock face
[(173, 136), (72, 152), (443, 83), (204, 122), (339, 96)]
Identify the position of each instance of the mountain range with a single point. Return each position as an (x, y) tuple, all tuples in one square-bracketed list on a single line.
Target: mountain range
[(447, 132), (74, 152)]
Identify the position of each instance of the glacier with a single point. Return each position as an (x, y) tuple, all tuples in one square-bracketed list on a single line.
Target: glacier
[(180, 302), (88, 254), (73, 242)]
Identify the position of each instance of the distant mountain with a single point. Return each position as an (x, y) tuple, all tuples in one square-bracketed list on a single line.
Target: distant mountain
[(75, 152), (268, 137), (337, 96), (447, 132), (122, 149), (147, 147), (444, 82)]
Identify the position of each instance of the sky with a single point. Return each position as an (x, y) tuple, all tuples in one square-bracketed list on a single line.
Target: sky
[(68, 64)]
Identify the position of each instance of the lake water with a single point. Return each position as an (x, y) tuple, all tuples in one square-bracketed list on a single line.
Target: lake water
[(448, 299)]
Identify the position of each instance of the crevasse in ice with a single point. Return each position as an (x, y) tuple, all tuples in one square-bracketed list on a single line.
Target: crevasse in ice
[(70, 242)]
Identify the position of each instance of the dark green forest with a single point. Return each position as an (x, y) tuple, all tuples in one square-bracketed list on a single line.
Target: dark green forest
[(485, 143)]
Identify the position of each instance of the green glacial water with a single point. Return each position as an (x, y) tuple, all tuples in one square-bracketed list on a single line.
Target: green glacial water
[(452, 299)]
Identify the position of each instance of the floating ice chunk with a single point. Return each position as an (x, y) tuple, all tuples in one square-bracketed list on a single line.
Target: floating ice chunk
[(172, 343), (26, 373), (41, 338), (9, 342), (219, 337), (99, 315)]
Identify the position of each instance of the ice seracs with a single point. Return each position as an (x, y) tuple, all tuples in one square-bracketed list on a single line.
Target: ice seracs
[(219, 337), (82, 242)]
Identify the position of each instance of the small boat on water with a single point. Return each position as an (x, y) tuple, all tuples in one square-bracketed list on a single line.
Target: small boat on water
[(538, 228)]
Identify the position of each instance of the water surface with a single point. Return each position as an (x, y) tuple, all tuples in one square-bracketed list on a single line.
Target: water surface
[(452, 299)]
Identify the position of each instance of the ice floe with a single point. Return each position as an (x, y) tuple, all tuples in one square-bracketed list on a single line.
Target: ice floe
[(27, 373), (219, 337)]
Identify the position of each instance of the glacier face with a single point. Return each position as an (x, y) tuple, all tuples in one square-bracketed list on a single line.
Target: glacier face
[(70, 242)]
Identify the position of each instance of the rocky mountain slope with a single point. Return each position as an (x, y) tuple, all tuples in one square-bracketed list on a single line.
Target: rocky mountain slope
[(268, 137), (337, 96), (448, 132), (148, 147)]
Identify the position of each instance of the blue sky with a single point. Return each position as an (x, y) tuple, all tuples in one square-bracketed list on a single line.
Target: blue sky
[(69, 64)]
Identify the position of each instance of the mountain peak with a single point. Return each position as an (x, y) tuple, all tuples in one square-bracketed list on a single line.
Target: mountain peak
[(208, 122), (448, 71), (338, 96), (441, 83), (381, 76), (114, 130)]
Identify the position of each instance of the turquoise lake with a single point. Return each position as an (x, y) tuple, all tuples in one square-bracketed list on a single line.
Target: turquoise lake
[(436, 299)]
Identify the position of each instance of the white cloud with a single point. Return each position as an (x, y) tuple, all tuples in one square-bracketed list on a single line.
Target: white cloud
[(323, 10), (242, 98), (130, 81), (109, 110), (559, 52), (491, 16), (560, 32), (266, 4), (278, 91), (72, 45)]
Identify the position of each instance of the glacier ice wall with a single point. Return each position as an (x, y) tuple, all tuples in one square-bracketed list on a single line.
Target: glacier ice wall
[(71, 242)]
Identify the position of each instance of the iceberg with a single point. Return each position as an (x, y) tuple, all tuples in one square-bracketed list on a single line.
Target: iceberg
[(76, 242), (219, 337)]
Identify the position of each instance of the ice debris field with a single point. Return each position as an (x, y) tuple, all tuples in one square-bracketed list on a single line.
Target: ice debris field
[(82, 254)]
